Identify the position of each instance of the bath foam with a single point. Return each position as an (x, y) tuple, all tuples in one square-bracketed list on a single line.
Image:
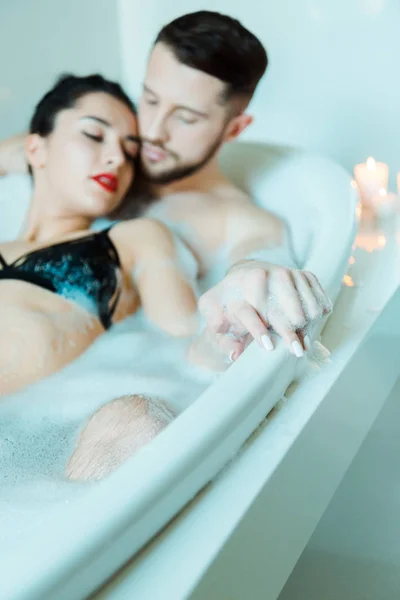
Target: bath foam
[(39, 426)]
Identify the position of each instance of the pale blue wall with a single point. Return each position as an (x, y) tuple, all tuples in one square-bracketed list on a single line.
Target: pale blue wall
[(333, 85), (41, 38), (334, 79)]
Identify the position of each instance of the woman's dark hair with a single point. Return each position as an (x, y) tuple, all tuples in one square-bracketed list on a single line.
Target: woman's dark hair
[(219, 46), (66, 92)]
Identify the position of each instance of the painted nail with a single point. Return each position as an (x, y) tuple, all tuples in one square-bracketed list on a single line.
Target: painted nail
[(307, 342), (297, 349), (267, 343)]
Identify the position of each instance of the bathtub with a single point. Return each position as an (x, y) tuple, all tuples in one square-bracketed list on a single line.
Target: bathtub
[(83, 541), (243, 534)]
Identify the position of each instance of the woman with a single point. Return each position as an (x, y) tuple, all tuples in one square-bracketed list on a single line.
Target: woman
[(62, 284)]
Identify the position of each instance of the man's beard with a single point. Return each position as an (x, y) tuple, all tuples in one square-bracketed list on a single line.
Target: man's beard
[(181, 172)]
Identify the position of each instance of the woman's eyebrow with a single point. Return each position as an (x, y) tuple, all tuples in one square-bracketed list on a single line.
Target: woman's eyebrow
[(98, 119), (131, 138)]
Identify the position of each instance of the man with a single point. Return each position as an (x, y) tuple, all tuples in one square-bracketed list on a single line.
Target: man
[(202, 73), (203, 70)]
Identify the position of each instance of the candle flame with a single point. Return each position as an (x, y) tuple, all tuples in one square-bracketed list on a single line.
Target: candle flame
[(347, 280), (370, 242), (381, 241), (371, 163)]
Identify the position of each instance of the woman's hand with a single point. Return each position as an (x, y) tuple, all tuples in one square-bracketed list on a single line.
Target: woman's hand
[(258, 298)]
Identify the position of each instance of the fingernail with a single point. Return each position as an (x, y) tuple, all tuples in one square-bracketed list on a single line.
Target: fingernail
[(307, 342), (297, 349), (231, 355), (267, 343)]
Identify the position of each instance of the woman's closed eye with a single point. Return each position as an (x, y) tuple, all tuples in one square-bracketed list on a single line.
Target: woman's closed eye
[(130, 155), (92, 136)]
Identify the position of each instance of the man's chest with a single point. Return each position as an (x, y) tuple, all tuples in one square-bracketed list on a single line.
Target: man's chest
[(200, 225)]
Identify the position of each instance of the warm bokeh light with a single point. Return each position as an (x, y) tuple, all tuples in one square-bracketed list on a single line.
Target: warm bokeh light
[(347, 280)]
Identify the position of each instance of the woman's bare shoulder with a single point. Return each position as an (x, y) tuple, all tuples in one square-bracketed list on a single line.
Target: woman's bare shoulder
[(138, 236)]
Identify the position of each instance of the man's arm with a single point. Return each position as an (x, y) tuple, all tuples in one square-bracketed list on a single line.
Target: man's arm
[(12, 155), (255, 234), (263, 291)]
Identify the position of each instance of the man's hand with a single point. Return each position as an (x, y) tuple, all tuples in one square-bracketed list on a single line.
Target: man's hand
[(259, 298)]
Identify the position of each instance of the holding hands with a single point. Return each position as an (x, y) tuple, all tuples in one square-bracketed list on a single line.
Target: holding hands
[(256, 299)]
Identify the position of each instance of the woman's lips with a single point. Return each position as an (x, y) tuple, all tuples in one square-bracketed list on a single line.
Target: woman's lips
[(108, 181)]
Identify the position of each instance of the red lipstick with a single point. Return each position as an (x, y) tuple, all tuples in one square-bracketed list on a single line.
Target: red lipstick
[(108, 181)]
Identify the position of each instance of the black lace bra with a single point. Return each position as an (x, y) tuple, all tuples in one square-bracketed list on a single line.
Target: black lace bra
[(85, 270)]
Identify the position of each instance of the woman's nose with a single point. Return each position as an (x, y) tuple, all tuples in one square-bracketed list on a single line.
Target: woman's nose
[(115, 156)]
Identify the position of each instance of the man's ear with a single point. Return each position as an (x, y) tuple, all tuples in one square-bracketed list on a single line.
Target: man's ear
[(237, 126), (36, 151)]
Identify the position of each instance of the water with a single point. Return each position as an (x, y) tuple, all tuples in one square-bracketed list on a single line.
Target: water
[(39, 426)]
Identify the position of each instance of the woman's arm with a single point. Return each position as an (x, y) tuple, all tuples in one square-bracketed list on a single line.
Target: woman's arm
[(149, 251), (12, 155)]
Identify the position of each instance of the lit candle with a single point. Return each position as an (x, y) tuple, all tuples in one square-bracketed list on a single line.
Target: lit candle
[(385, 204), (371, 177)]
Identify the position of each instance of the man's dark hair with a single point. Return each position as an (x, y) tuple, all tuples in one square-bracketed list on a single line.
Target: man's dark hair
[(219, 46)]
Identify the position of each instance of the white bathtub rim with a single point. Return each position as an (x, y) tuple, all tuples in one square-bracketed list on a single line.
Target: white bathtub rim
[(146, 468), (153, 477), (166, 553), (58, 568), (54, 574), (154, 471)]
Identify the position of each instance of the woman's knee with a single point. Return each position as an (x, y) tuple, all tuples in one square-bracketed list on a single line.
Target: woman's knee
[(114, 433)]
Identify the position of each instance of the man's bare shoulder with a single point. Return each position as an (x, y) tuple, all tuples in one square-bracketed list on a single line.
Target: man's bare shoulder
[(241, 210)]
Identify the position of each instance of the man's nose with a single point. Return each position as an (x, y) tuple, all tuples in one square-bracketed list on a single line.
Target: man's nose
[(157, 130)]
